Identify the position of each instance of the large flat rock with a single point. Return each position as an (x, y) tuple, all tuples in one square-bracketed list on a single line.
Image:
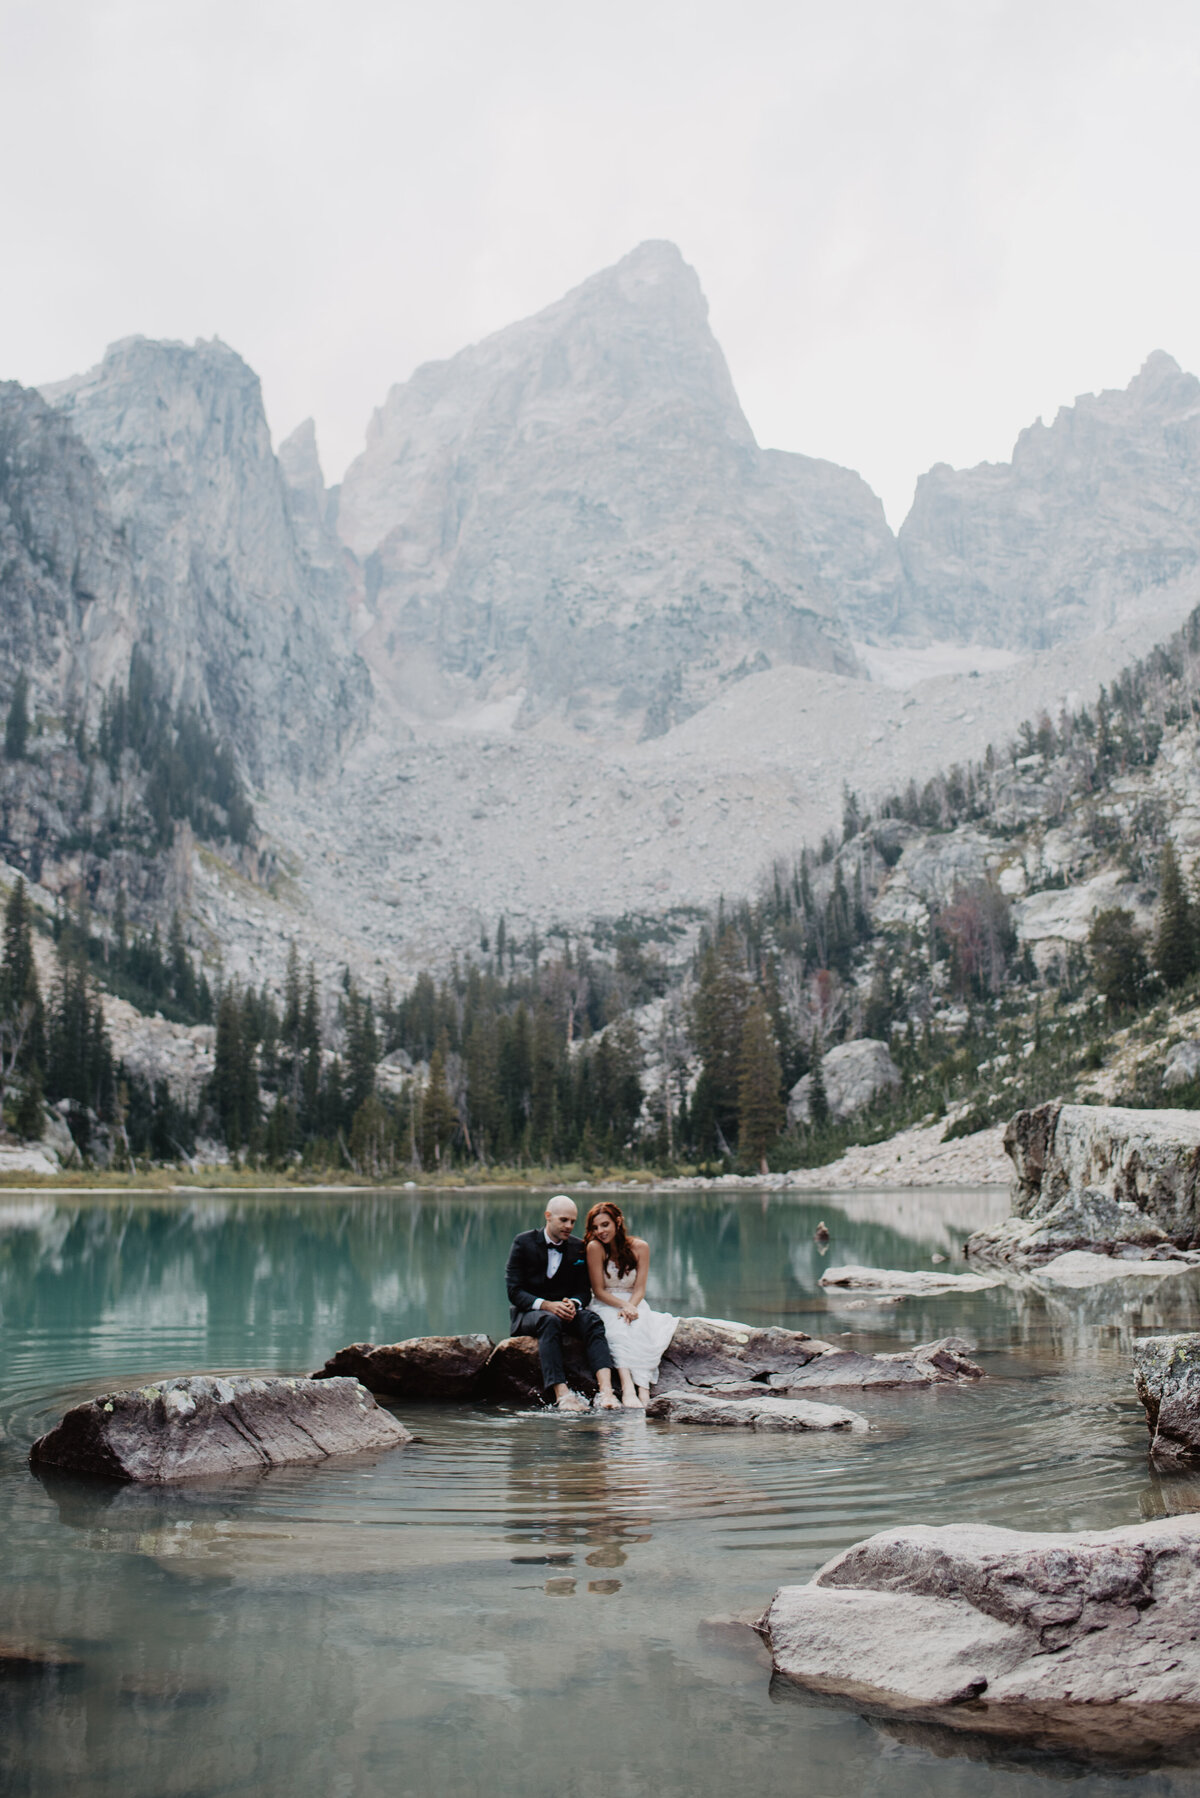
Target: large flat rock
[(920, 1281), (1166, 1371), (705, 1354), (1084, 1641), (758, 1413), (201, 1427), (1097, 1177), (423, 1367)]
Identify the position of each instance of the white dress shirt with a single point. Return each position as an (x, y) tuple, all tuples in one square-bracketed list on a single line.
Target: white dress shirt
[(553, 1263)]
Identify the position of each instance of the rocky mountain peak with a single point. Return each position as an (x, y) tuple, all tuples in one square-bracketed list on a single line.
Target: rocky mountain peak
[(575, 511), (228, 607), (1094, 512)]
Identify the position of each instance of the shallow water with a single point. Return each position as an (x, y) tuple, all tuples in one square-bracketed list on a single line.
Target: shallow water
[(520, 1603)]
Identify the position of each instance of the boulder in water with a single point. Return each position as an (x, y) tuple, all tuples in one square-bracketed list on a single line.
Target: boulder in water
[(1084, 1641), (423, 1367), (1167, 1375), (764, 1412), (1097, 1178), (203, 1427), (893, 1280)]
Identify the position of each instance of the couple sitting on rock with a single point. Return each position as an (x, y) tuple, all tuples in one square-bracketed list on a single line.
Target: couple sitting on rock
[(593, 1290)]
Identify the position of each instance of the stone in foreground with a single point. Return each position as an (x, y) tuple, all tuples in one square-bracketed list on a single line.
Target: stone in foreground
[(201, 1427), (1085, 1642), (1166, 1371), (892, 1280), (424, 1367), (765, 1413)]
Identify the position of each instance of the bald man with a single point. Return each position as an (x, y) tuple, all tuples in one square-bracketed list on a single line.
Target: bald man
[(549, 1290)]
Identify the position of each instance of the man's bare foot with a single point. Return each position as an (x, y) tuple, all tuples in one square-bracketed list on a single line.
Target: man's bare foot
[(569, 1401), (608, 1401)]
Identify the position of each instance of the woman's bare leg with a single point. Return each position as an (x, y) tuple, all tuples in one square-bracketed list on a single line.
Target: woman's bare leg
[(629, 1397)]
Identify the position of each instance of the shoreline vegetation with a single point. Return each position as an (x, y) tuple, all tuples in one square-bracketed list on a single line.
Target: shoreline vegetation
[(912, 1158), (614, 1056)]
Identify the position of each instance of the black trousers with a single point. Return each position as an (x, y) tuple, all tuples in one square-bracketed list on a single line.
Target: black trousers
[(548, 1329)]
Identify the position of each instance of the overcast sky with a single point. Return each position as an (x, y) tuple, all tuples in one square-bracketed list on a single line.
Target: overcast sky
[(920, 223)]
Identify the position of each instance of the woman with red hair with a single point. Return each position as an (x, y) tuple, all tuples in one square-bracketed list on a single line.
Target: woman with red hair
[(637, 1336)]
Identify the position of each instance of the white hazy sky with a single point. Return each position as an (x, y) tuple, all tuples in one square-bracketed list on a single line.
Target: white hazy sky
[(920, 223)]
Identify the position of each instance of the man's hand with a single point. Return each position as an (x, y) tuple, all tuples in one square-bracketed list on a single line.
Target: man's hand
[(563, 1308)]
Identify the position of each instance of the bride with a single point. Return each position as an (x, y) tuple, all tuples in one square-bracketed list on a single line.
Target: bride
[(638, 1337)]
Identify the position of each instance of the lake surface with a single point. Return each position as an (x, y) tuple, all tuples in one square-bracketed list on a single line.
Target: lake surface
[(519, 1603)]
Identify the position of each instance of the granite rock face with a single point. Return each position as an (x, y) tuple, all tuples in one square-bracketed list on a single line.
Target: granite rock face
[(855, 1074), (791, 1416), (425, 1367), (575, 509), (1098, 1177), (228, 605), (1167, 1376), (1084, 1642), (67, 601), (201, 1427), (1095, 515)]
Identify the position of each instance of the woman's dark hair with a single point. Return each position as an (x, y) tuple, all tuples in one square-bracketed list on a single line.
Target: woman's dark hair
[(618, 1251)]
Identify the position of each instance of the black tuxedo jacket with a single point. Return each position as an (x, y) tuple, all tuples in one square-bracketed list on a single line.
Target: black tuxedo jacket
[(527, 1279)]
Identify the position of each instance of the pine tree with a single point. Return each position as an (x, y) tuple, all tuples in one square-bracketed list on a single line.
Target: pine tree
[(439, 1119), (21, 1005), (183, 975), (31, 1117), (818, 1098), (1174, 946), (362, 1050), (760, 1109), (16, 727)]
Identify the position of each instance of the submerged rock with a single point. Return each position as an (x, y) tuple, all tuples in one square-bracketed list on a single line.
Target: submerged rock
[(1085, 1641), (22, 1655), (763, 1413), (1081, 1268), (941, 1363), (201, 1427), (1166, 1371), (890, 1280), (424, 1367)]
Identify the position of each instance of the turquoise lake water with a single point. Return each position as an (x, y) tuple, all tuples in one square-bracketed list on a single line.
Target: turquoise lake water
[(519, 1603)]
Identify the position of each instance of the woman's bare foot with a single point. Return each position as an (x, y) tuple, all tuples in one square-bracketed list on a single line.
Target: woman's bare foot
[(643, 1393), (608, 1401), (632, 1402)]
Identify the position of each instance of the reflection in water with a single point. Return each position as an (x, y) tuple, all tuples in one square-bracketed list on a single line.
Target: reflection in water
[(394, 1626)]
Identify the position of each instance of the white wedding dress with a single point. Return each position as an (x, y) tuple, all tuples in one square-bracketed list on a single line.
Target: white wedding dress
[(639, 1346)]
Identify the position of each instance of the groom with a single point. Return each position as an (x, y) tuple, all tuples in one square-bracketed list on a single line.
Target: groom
[(548, 1290)]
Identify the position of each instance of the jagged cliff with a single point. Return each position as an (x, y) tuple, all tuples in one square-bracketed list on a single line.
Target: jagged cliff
[(67, 600), (1092, 519), (576, 509), (229, 606)]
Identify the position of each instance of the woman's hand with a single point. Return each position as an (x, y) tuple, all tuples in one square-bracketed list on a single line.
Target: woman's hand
[(629, 1313)]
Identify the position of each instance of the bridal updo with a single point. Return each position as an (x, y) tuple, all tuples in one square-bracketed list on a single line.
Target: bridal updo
[(618, 1251)]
